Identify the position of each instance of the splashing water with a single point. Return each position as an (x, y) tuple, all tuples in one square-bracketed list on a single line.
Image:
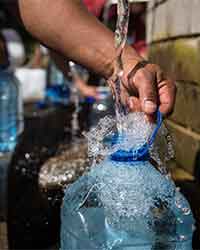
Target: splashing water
[(75, 122), (125, 197), (117, 196), (162, 150), (65, 167), (118, 205), (136, 130), (125, 205), (120, 41), (75, 100)]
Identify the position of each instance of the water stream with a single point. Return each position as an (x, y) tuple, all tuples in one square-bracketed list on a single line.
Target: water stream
[(75, 100), (123, 11)]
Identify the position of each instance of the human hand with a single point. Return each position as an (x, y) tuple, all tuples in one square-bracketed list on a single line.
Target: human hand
[(89, 91), (145, 88)]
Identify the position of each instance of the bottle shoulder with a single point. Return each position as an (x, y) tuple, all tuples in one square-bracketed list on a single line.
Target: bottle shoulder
[(8, 81)]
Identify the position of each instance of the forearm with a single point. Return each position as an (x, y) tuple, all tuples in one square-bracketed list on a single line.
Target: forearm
[(80, 84), (67, 27)]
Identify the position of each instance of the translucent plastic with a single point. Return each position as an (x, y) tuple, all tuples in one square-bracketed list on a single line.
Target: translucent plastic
[(125, 205), (11, 111), (102, 106), (58, 90)]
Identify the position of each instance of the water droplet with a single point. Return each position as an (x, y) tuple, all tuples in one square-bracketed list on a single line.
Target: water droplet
[(54, 179), (70, 176), (180, 220), (186, 210), (64, 178), (193, 228), (27, 156), (23, 170), (178, 204), (182, 237)]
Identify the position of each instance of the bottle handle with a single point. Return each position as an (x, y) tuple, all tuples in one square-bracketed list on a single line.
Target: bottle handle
[(159, 121), (143, 152)]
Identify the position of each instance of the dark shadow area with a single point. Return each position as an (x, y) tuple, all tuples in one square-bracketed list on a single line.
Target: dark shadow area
[(197, 167), (31, 223)]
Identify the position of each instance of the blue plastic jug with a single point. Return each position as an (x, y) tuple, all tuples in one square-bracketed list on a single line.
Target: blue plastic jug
[(125, 203)]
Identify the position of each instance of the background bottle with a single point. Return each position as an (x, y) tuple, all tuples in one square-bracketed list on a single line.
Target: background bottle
[(102, 106), (58, 86), (11, 110)]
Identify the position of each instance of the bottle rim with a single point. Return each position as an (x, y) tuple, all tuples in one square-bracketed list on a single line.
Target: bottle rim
[(138, 154)]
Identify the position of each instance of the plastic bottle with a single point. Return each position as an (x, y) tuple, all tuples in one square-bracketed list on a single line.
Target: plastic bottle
[(125, 203), (11, 110), (102, 106), (58, 90)]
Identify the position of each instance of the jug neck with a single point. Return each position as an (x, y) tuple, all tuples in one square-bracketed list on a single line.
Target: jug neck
[(131, 155), (136, 153)]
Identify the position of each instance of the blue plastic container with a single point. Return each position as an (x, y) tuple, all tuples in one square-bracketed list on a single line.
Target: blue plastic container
[(125, 203), (11, 111), (58, 91)]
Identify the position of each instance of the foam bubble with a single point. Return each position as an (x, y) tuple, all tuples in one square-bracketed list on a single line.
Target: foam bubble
[(136, 131)]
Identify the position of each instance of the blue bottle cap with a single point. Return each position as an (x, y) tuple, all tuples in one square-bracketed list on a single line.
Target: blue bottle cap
[(41, 105), (90, 100), (140, 154)]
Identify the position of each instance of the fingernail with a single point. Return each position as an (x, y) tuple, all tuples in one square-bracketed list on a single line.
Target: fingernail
[(149, 106)]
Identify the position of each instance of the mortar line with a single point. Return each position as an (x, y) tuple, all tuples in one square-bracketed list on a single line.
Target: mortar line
[(184, 130), (175, 38)]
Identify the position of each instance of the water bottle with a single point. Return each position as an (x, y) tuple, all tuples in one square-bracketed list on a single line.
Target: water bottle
[(58, 90), (101, 107), (125, 203), (11, 111)]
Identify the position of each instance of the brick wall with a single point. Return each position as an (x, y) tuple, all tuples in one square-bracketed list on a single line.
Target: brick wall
[(173, 33)]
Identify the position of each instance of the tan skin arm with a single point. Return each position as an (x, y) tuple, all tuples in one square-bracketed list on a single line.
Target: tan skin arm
[(85, 89), (68, 28)]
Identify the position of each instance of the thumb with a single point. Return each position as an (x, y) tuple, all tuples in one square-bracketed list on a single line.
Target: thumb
[(144, 81)]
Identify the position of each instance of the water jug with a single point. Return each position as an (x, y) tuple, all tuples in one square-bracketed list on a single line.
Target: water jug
[(125, 203)]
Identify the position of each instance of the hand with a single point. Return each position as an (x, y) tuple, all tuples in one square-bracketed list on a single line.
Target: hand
[(148, 89), (90, 91)]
